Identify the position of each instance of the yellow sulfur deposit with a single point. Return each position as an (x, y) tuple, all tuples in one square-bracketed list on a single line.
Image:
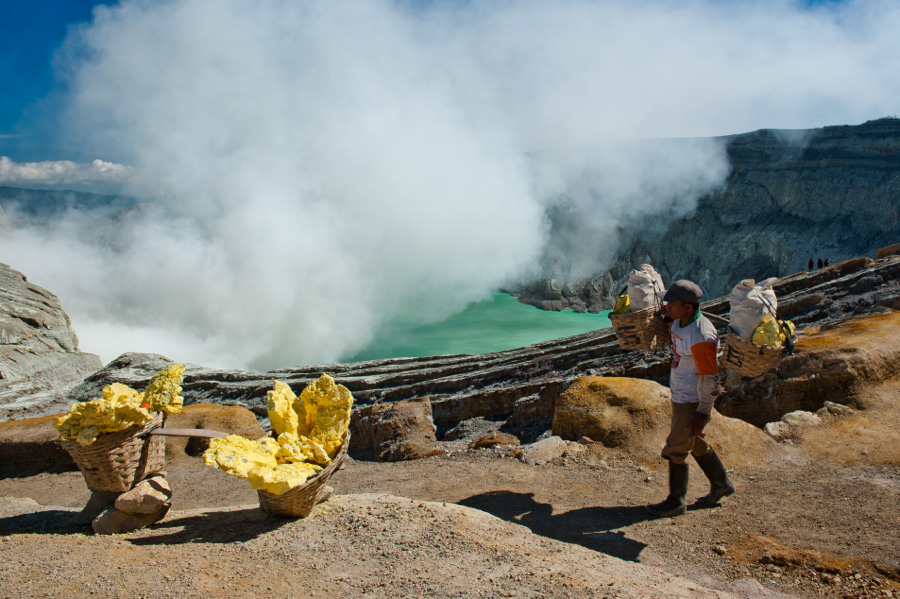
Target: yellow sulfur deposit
[(122, 407), (768, 333), (623, 305), (310, 430), (236, 455), (327, 407), (162, 394)]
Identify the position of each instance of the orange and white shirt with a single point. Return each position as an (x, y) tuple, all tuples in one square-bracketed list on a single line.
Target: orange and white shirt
[(694, 346)]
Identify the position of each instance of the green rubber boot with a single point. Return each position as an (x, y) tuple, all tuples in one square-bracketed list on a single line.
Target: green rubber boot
[(674, 504), (719, 484)]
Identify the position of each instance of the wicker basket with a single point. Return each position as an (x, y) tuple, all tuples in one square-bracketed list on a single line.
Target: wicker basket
[(115, 461), (747, 358), (299, 501), (644, 329)]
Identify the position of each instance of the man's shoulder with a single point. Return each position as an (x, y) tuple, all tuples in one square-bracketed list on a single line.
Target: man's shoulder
[(706, 328)]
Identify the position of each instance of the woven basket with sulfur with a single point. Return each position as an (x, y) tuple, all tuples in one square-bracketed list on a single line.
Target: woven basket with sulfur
[(115, 461), (299, 501), (747, 358), (644, 329)]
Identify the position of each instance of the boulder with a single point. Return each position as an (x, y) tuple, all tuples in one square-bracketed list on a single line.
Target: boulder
[(611, 410), (39, 355), (395, 432), (836, 409), (147, 497), (113, 521), (801, 419), (99, 502), (780, 431), (541, 452)]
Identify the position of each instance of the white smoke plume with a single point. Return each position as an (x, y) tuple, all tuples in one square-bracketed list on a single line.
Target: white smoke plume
[(324, 167)]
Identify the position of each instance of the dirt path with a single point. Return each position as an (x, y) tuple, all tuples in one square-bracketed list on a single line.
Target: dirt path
[(796, 527)]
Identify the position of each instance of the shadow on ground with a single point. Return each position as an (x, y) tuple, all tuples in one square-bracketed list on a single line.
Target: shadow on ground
[(596, 528), (228, 526), (53, 522)]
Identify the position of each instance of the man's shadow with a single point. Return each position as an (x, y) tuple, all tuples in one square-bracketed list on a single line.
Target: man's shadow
[(596, 528)]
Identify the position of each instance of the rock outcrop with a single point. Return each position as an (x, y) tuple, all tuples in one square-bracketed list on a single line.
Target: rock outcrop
[(39, 355), (829, 193), (400, 431), (610, 410)]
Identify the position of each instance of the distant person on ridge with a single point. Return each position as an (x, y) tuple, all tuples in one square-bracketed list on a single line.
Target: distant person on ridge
[(694, 382), (820, 263), (810, 264), (826, 262)]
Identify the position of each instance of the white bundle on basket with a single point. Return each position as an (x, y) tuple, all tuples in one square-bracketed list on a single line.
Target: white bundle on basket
[(750, 302), (645, 287)]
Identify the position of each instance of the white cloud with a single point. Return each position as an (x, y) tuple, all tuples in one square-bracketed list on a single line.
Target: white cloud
[(327, 166), (61, 172)]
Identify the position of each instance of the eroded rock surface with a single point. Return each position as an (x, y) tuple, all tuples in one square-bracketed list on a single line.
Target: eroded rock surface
[(827, 193), (610, 410), (400, 431), (39, 355)]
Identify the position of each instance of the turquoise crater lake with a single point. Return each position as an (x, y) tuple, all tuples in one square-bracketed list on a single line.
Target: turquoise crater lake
[(497, 324)]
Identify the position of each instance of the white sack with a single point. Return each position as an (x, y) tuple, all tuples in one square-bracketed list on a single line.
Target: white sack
[(750, 302), (645, 287)]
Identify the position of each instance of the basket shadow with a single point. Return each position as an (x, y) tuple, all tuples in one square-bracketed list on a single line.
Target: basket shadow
[(213, 527), (595, 528), (52, 521)]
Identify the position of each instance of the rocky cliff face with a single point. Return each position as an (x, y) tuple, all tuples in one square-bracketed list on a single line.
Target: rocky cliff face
[(830, 193), (39, 356)]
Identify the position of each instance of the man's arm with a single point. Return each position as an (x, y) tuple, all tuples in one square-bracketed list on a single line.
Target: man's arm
[(707, 383)]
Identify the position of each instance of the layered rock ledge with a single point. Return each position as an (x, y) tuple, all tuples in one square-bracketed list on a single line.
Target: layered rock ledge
[(39, 355), (519, 387)]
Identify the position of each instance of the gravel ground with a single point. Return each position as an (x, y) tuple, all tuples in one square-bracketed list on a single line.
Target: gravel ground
[(475, 524)]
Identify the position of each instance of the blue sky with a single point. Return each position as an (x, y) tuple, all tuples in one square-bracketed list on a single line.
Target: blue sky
[(30, 33)]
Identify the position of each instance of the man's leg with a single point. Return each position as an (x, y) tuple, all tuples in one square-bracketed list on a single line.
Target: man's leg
[(678, 445), (719, 484)]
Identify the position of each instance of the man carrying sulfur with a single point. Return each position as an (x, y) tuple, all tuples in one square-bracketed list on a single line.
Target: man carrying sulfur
[(694, 382)]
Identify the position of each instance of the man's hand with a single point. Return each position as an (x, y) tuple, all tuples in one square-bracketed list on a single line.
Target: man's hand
[(697, 423)]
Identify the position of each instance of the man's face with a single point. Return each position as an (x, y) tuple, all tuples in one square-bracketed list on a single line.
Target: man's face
[(676, 309)]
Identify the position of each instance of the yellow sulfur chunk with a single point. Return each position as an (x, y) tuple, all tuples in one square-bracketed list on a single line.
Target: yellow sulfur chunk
[(311, 430), (280, 404), (118, 409), (281, 478), (769, 333), (162, 394), (622, 306), (88, 434), (239, 456), (329, 405), (301, 449), (121, 407)]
